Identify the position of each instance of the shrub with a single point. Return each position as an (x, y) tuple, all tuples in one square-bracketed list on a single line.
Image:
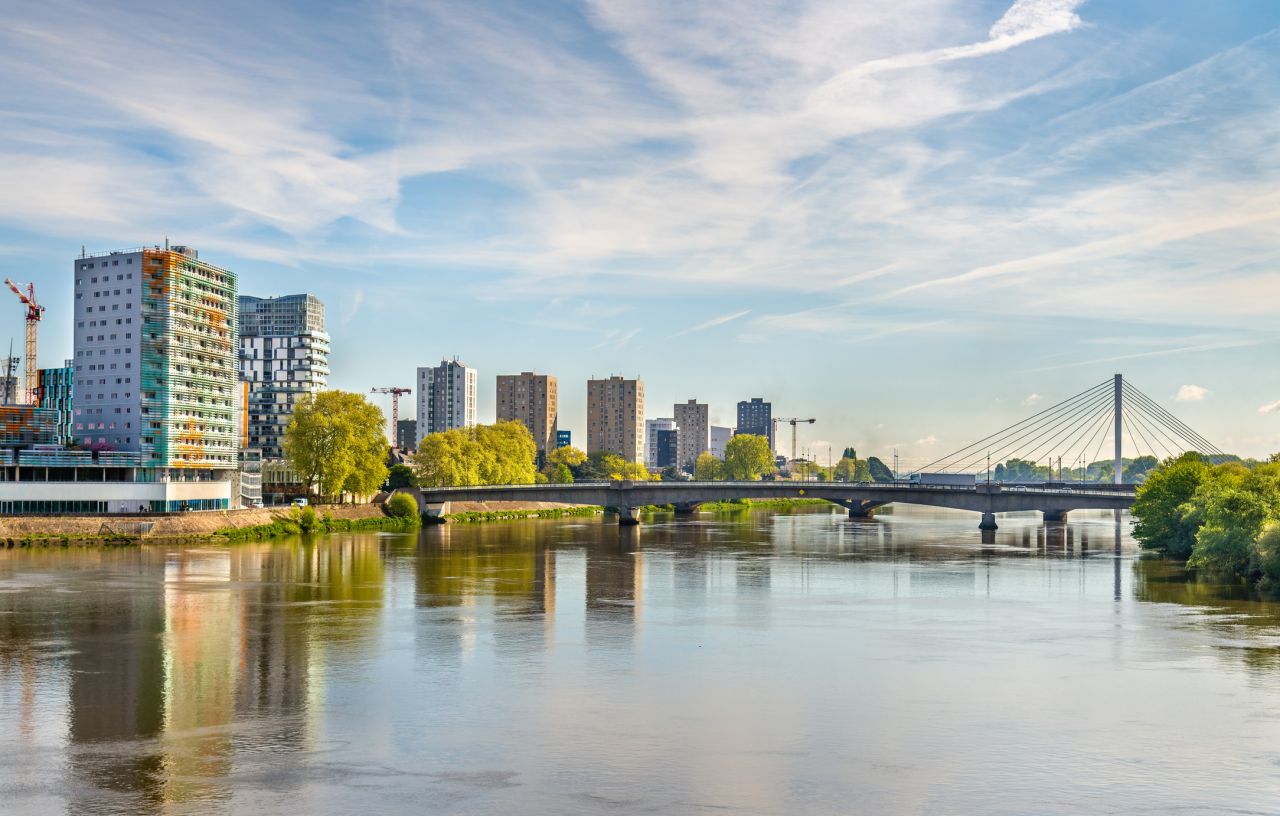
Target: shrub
[(401, 505)]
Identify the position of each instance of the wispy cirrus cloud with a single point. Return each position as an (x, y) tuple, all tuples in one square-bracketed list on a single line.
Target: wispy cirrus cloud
[(713, 322)]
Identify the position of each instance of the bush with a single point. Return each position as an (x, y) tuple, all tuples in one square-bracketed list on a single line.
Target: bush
[(401, 505)]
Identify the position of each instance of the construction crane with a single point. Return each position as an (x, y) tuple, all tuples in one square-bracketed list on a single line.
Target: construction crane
[(34, 313), (395, 406), (794, 422)]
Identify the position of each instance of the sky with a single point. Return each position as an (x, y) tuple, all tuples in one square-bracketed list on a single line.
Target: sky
[(912, 221)]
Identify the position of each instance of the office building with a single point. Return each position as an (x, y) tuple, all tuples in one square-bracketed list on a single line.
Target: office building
[(564, 438), (284, 355), (407, 434), (532, 399), (54, 391), (156, 359), (719, 440), (615, 411), (651, 428), (695, 432), (756, 417), (446, 397)]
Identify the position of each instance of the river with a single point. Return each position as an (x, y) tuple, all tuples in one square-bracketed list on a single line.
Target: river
[(751, 663)]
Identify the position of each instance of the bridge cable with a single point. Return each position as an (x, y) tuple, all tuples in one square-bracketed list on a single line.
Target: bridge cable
[(1131, 426), (1088, 392), (1087, 422), (1100, 432), (1087, 431), (1153, 428), (1160, 416), (1172, 422), (1136, 423), (1111, 415), (1045, 429)]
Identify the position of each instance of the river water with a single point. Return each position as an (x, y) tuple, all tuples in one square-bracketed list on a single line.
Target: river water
[(754, 663)]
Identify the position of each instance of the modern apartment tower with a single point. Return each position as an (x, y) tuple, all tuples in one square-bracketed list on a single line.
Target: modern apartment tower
[(156, 358), (446, 397), (615, 417), (284, 354), (54, 390), (756, 417), (534, 400), (651, 428), (719, 440), (695, 432)]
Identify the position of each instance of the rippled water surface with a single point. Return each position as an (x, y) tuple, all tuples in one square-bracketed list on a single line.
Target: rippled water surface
[(751, 663)]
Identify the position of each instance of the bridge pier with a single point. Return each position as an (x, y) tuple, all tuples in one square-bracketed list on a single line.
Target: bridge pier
[(628, 517), (685, 508), (862, 509), (1055, 516), (988, 522), (434, 512)]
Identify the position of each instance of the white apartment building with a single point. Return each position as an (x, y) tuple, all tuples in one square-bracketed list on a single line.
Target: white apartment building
[(719, 440), (284, 354), (651, 428), (446, 397), (695, 432)]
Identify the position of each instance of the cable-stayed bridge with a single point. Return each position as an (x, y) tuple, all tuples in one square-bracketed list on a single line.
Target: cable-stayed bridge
[(1073, 432)]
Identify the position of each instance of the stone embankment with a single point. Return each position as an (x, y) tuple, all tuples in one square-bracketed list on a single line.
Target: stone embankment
[(174, 525)]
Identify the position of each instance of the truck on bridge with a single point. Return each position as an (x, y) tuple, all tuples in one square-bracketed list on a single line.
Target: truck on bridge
[(943, 479)]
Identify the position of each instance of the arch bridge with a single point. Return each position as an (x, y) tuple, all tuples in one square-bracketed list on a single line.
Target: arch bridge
[(1055, 500)]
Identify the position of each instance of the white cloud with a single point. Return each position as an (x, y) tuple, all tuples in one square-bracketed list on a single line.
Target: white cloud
[(1031, 400), (1270, 408), (1191, 393), (928, 440)]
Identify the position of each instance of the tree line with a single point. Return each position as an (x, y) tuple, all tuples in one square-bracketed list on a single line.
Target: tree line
[(1223, 520)]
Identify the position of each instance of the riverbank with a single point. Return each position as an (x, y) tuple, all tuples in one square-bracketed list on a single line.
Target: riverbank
[(27, 531)]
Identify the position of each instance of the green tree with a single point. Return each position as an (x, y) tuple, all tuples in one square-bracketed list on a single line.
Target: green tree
[(401, 505), (1233, 518), (879, 471), (335, 442), (502, 453), (747, 457), (400, 476), (1163, 523), (560, 464), (708, 468), (557, 473)]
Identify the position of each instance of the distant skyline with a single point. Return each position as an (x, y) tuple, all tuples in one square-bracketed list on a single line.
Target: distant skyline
[(913, 221)]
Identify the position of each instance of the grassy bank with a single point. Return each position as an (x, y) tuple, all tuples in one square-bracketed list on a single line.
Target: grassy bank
[(305, 520), (761, 504), (476, 516)]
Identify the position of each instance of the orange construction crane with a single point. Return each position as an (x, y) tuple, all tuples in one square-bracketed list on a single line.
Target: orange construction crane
[(395, 406), (34, 313)]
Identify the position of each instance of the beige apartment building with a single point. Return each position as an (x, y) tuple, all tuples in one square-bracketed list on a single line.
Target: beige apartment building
[(534, 400), (615, 417), (694, 435)]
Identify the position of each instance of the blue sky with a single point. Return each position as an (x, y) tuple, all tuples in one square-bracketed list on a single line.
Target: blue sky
[(905, 219)]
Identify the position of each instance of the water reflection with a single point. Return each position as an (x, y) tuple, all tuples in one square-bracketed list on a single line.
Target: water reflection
[(754, 662)]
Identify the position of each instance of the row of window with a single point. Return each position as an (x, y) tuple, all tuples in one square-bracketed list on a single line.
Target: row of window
[(115, 307), (90, 265)]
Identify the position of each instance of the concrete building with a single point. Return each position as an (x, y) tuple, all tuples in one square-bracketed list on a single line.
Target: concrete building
[(156, 359), (615, 411), (284, 355), (756, 417), (720, 437), (695, 432), (446, 397), (55, 390), (651, 428), (534, 400), (407, 435)]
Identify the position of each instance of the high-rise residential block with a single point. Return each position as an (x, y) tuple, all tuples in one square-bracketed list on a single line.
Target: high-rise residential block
[(693, 421), (284, 355), (615, 411), (156, 357), (719, 440), (756, 417), (534, 400), (446, 397), (651, 428), (664, 446)]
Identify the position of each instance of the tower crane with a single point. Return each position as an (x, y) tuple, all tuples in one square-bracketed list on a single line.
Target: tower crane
[(794, 422), (395, 405), (35, 312)]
